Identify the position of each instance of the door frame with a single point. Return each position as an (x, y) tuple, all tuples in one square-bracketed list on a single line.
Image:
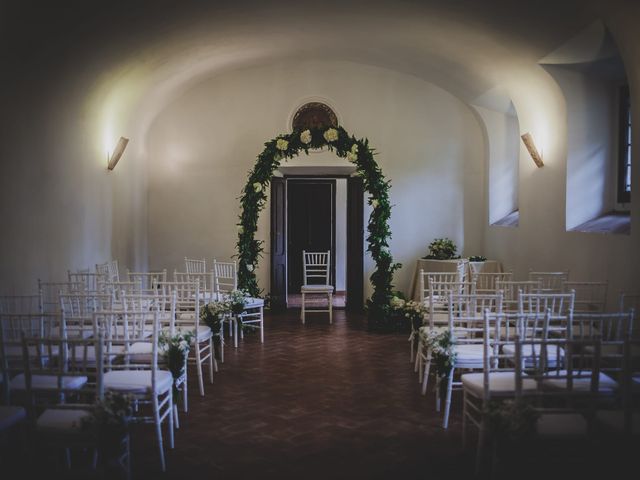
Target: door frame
[(355, 240)]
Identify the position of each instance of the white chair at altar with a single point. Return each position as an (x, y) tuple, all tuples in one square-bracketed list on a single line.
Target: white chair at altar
[(316, 278)]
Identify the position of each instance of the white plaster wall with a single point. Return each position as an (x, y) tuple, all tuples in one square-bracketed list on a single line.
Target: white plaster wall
[(201, 147), (591, 133), (503, 149), (60, 207)]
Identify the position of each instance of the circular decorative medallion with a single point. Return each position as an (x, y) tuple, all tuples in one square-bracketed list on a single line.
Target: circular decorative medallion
[(314, 115)]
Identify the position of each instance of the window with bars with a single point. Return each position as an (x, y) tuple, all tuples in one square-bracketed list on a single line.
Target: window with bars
[(624, 165)]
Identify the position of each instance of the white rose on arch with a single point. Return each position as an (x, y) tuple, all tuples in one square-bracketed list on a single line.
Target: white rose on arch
[(250, 268), (305, 137), (375, 203), (257, 187), (282, 144), (240, 229), (331, 135), (352, 157)]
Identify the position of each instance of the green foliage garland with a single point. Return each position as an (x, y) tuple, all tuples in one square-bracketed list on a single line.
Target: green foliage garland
[(253, 200)]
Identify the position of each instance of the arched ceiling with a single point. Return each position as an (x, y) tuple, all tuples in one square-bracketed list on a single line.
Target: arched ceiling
[(138, 55)]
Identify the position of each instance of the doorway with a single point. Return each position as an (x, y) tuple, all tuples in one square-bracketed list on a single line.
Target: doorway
[(304, 217), (311, 225)]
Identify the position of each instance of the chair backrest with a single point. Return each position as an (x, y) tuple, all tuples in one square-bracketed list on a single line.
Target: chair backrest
[(609, 327), (147, 280), (560, 304), (630, 301), (590, 296), (50, 294), (21, 304), (120, 288), (77, 311), (225, 276), (467, 314), (316, 267), (487, 283), (92, 282), (193, 265), (550, 282), (512, 289), (75, 371), (188, 302), (426, 278)]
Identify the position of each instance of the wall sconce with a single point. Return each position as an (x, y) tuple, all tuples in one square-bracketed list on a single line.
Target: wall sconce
[(527, 139), (117, 153)]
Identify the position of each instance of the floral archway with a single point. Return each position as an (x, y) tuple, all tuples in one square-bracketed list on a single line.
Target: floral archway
[(358, 152)]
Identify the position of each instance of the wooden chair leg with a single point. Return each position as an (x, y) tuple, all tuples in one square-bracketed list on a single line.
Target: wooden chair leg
[(199, 370), (302, 313), (330, 308), (447, 405), (156, 418)]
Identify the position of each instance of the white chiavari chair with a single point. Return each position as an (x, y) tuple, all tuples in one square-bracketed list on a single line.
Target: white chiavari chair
[(50, 294), (188, 303), (10, 415), (466, 326), (225, 281), (488, 283), (628, 301), (550, 282), (110, 270), (61, 394), (145, 381), (21, 304), (92, 282), (589, 296), (561, 306), (193, 265), (497, 381), (251, 317), (225, 276), (512, 289), (77, 311), (206, 281), (437, 302), (147, 280), (316, 273)]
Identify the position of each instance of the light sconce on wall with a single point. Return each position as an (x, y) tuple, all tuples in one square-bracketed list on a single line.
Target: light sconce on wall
[(527, 139), (117, 153)]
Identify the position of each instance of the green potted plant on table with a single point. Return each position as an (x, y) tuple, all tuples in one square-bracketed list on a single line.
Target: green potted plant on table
[(442, 249)]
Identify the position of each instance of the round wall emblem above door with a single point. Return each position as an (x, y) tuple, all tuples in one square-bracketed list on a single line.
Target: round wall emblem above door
[(314, 115)]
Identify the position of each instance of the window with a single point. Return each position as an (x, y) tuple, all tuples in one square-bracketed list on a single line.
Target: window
[(624, 165)]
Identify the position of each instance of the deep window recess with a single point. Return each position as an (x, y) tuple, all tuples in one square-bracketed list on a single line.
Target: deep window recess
[(624, 165)]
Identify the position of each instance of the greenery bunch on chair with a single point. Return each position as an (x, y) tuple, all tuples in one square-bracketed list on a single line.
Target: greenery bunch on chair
[(411, 313), (213, 313), (357, 151), (109, 422), (175, 350), (442, 249)]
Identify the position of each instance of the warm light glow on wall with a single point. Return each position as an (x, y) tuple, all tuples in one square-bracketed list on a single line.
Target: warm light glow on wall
[(117, 153)]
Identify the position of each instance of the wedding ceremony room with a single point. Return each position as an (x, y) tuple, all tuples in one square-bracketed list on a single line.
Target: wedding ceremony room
[(350, 239)]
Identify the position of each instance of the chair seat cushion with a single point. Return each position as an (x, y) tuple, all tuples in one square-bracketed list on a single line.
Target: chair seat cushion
[(252, 302), (561, 424), (140, 352), (48, 382), (137, 381), (500, 383), (79, 352), (316, 289), (58, 420), (10, 415), (470, 354), (553, 353), (606, 384), (613, 421)]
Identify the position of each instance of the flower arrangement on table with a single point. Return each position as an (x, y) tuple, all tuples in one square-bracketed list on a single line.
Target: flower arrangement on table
[(442, 249), (109, 422), (477, 258), (175, 350)]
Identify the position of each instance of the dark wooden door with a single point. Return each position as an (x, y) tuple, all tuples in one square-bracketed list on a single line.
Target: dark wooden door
[(278, 244), (310, 224), (355, 244)]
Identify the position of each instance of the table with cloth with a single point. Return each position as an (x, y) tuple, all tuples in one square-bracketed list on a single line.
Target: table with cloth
[(469, 268)]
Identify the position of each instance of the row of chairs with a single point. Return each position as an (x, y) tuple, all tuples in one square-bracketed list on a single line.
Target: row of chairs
[(78, 312), (577, 384)]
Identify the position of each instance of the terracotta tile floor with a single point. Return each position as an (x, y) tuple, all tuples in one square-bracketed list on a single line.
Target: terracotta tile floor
[(315, 401)]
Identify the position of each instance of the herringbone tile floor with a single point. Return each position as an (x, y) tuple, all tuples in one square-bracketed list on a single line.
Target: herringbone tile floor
[(315, 401)]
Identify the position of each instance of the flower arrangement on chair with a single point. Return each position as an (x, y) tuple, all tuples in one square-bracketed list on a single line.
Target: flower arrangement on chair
[(442, 346), (213, 313), (175, 350), (109, 423), (410, 310)]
